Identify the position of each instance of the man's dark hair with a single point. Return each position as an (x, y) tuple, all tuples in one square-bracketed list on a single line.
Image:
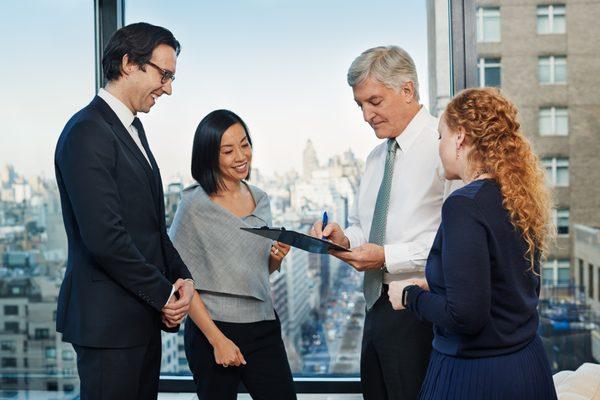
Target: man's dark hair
[(138, 41), (207, 148)]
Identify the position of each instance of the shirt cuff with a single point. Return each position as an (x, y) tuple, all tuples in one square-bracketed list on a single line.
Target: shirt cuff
[(398, 258), (171, 295), (355, 236)]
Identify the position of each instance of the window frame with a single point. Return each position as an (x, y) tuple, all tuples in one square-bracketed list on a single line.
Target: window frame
[(553, 112), (551, 165), (491, 11), (552, 61), (550, 11), (483, 63), (556, 265), (556, 217)]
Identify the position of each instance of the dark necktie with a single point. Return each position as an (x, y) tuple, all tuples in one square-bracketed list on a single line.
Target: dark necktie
[(142, 134), (156, 184)]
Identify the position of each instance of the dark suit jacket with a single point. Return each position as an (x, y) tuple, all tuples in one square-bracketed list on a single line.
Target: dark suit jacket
[(121, 262)]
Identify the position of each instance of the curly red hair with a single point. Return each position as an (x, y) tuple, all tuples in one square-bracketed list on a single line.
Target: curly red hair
[(490, 124)]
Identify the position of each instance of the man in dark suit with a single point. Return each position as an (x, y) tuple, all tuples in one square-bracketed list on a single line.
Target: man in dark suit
[(124, 280)]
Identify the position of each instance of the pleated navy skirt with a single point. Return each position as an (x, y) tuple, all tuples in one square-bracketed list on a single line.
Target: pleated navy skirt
[(524, 374)]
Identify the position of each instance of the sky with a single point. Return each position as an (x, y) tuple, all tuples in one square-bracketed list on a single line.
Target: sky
[(280, 65)]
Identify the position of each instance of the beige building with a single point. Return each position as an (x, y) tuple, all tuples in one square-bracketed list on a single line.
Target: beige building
[(545, 55), (32, 354)]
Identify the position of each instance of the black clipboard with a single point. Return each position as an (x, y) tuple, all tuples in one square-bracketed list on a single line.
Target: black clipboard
[(296, 239)]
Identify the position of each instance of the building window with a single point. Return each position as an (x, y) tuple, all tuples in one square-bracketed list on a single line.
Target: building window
[(580, 283), (488, 24), (590, 288), (489, 71), (42, 333), (12, 327), (552, 69), (11, 310), (554, 121), (50, 352), (563, 273), (561, 221), (9, 362), (8, 345), (67, 355), (598, 286), (551, 19), (9, 380), (557, 169), (556, 272)]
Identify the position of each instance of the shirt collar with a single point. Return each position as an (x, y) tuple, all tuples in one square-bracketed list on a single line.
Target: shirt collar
[(123, 112), (412, 130)]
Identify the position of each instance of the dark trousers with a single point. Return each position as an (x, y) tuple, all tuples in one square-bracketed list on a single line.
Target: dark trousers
[(266, 375), (395, 352), (120, 374)]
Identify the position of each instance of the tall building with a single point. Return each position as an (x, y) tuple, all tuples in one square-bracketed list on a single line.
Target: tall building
[(544, 57), (310, 162), (8, 175)]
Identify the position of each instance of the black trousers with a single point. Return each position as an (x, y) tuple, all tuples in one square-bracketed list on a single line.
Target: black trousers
[(395, 352), (266, 375), (120, 374)]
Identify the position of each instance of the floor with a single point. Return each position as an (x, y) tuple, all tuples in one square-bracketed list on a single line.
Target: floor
[(187, 396), (41, 395)]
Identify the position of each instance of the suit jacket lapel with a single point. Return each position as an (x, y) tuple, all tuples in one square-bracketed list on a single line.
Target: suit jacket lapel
[(121, 132)]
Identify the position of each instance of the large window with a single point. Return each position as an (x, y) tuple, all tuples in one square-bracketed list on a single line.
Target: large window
[(283, 69), (49, 65)]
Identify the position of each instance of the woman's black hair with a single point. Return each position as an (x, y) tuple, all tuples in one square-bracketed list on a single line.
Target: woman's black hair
[(138, 41), (207, 148)]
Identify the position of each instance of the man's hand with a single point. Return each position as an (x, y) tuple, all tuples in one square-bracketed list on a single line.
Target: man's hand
[(362, 258), (176, 309), (332, 232), (396, 288), (422, 283), (166, 322)]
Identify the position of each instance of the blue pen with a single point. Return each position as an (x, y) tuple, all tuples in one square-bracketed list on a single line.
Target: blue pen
[(324, 224)]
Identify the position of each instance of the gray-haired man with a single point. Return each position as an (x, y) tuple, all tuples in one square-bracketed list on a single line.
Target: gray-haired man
[(395, 218)]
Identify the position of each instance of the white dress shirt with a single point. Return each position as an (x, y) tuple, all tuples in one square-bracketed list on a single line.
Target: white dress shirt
[(125, 116), (418, 191)]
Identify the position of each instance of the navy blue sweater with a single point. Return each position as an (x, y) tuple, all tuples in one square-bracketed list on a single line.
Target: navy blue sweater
[(483, 298)]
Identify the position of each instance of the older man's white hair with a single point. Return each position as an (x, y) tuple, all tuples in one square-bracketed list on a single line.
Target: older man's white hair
[(390, 65)]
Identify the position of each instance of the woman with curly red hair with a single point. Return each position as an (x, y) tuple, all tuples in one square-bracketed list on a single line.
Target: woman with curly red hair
[(482, 276)]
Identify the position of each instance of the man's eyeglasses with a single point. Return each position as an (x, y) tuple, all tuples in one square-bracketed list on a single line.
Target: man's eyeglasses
[(166, 74)]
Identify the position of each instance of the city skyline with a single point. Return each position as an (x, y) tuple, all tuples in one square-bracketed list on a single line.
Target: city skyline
[(306, 291)]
